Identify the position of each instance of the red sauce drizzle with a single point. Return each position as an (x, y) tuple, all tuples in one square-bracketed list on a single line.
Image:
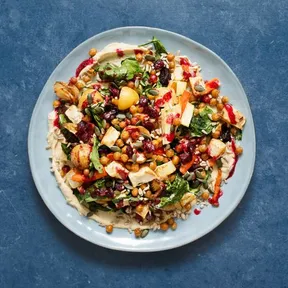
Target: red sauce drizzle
[(119, 52), (215, 200), (83, 65), (213, 84), (184, 61), (197, 211), (186, 75), (167, 96), (230, 112), (123, 174), (170, 137), (137, 51), (235, 159), (56, 120), (161, 101)]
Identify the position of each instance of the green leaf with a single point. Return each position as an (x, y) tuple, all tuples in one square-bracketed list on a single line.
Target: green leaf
[(94, 156), (132, 67), (62, 119), (238, 135), (175, 191), (69, 136), (159, 47), (201, 124), (66, 150)]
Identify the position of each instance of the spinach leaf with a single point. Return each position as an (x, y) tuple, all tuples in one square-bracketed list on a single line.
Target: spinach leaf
[(175, 191), (66, 150), (132, 67), (201, 124), (238, 135), (159, 47), (94, 156)]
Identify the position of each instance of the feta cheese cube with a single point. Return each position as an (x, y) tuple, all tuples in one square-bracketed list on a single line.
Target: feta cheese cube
[(165, 169), (180, 87), (114, 169), (110, 137), (144, 175), (239, 117), (74, 114), (187, 115), (216, 148)]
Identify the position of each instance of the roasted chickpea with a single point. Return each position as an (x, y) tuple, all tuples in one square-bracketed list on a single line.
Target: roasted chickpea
[(143, 186), (164, 226), (122, 124), (92, 52), (135, 167), (128, 166), (125, 135), (202, 148), (148, 194), (104, 160), (201, 105), (134, 120), (139, 208), (170, 153), (124, 149), (117, 156), (239, 150), (56, 103), (160, 158), (155, 143), (225, 99), (153, 72), (115, 121), (215, 93), (139, 57), (172, 177), (172, 65), (175, 160), (135, 192), (80, 85), (216, 117), (196, 112), (140, 109), (152, 165), (188, 207), (220, 106), (170, 221), (133, 109), (205, 195), (86, 172), (124, 158), (176, 121), (216, 134), (137, 232), (109, 229), (174, 226), (170, 57), (204, 156), (80, 156), (213, 102), (131, 84), (120, 143), (86, 78)]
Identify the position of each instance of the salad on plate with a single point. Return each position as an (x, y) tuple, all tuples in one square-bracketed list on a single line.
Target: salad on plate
[(138, 138)]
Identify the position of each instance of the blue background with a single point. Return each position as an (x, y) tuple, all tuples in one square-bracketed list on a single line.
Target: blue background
[(248, 250)]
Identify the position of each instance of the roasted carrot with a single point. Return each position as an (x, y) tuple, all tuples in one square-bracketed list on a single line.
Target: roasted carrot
[(184, 168), (77, 177), (217, 185), (211, 85), (184, 99)]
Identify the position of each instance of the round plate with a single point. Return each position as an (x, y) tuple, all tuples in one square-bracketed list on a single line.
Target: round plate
[(195, 226)]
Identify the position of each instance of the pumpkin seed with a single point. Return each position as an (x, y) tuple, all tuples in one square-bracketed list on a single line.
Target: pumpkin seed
[(144, 233), (137, 144), (98, 110), (120, 181), (186, 175), (190, 177), (153, 92), (89, 214), (149, 58), (146, 136), (87, 111), (117, 127), (205, 185), (128, 186), (199, 88), (195, 184), (138, 123), (121, 116), (219, 163), (136, 82), (97, 131), (134, 158), (129, 115), (115, 149)]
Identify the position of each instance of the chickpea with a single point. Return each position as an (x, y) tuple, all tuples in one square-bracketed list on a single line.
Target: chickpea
[(165, 160), (133, 109), (92, 52), (153, 72), (137, 232), (160, 158), (124, 158), (139, 57), (151, 97), (117, 156), (172, 65), (109, 229), (143, 186), (86, 172), (220, 106), (239, 150), (139, 208), (205, 195), (135, 167), (131, 84), (172, 177), (160, 141), (125, 135), (80, 156), (175, 160), (201, 105), (170, 153), (124, 149), (154, 157), (170, 221), (215, 116), (155, 143), (176, 121), (128, 166), (107, 125), (196, 112), (216, 134), (174, 226), (164, 226), (213, 102), (120, 143), (122, 124), (79, 85), (225, 99), (188, 207), (203, 174), (56, 103), (204, 156), (135, 192), (73, 80), (104, 160), (152, 165), (170, 57), (115, 121), (149, 155), (148, 194), (202, 148), (140, 109), (215, 93), (115, 101)]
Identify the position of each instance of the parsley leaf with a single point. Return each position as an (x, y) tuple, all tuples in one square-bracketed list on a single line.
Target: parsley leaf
[(94, 156), (159, 47)]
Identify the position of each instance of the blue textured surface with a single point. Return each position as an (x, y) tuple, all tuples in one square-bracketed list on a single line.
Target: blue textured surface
[(248, 250)]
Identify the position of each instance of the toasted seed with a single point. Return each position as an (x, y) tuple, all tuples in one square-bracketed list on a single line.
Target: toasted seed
[(199, 88), (190, 177), (121, 116), (128, 186), (117, 127), (146, 136), (98, 110), (137, 144), (153, 92), (129, 115), (205, 185), (136, 84), (87, 111), (97, 131), (144, 233), (115, 149), (149, 58), (134, 158), (219, 163), (186, 175), (138, 123)]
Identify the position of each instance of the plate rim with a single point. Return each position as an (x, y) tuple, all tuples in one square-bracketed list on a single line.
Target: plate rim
[(173, 245)]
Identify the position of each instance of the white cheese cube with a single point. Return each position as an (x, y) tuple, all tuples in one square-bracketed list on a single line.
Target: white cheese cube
[(180, 87), (228, 161), (216, 148), (144, 211), (239, 117), (116, 170), (74, 114), (110, 137), (187, 115), (144, 175), (165, 170)]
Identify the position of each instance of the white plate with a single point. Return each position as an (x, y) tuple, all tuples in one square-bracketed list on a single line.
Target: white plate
[(187, 231)]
